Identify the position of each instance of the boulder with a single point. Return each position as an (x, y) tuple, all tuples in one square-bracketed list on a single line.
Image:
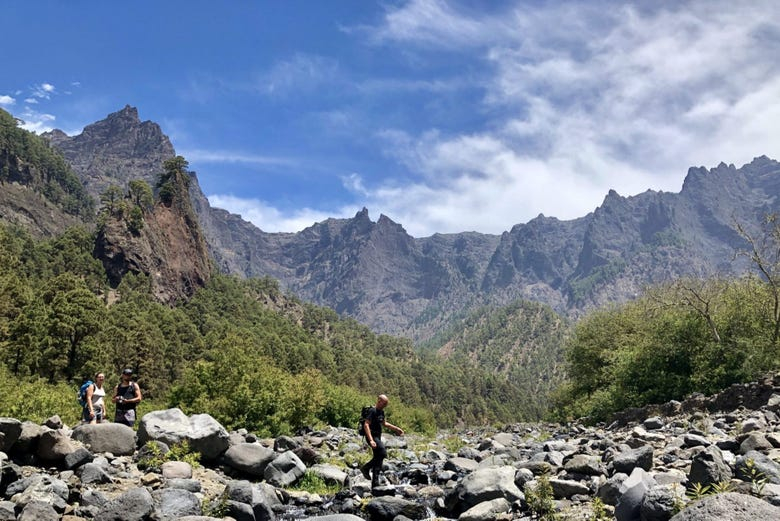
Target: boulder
[(486, 511), (388, 508), (78, 457), (10, 430), (659, 504), (38, 511), (566, 488), (461, 465), (134, 505), (632, 495), (176, 469), (584, 464), (729, 506), (7, 512), (53, 446), (249, 458), (28, 439), (331, 474), (754, 466), (628, 460), (284, 470), (93, 473), (39, 487), (115, 438), (483, 485), (708, 467), (171, 426), (175, 503)]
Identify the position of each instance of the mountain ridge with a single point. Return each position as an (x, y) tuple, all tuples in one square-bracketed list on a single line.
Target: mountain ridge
[(378, 274)]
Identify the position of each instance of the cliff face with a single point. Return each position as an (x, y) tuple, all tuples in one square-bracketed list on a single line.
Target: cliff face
[(378, 274)]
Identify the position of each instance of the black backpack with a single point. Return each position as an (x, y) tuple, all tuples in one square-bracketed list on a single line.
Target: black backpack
[(363, 416)]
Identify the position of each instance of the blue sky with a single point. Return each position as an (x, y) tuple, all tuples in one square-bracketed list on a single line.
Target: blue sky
[(446, 116)]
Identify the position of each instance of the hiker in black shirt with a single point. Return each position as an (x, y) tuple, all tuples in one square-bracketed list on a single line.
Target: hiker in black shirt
[(373, 430), (126, 397)]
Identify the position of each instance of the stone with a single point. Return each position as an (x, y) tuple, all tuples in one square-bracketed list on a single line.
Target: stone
[(761, 465), (628, 460), (566, 488), (78, 457), (116, 438), (284, 443), (653, 423), (461, 465), (38, 511), (7, 511), (92, 473), (632, 494), (483, 485), (249, 458), (729, 506), (658, 504), (609, 491), (388, 508), (331, 474), (174, 503), (584, 464), (28, 439), (708, 467), (486, 511), (176, 469), (53, 446), (134, 505), (754, 441), (284, 470), (171, 426), (39, 487), (11, 429), (193, 485)]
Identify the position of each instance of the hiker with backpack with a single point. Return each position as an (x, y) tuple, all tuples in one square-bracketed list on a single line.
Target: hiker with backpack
[(91, 396), (372, 429), (127, 394)]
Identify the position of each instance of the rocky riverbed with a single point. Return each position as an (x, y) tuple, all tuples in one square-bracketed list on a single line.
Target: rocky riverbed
[(704, 458)]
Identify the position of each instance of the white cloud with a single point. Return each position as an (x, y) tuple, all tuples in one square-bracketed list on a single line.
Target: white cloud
[(594, 97), (302, 72), (31, 101), (268, 218), (37, 121), (227, 156), (43, 90), (6, 100)]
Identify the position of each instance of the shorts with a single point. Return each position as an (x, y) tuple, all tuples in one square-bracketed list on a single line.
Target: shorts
[(98, 414), (125, 417)]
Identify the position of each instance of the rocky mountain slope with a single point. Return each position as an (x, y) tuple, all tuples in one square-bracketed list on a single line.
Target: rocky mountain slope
[(395, 283), (703, 459)]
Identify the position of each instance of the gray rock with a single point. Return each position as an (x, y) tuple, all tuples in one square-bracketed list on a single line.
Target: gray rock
[(283, 443), (78, 457), (708, 467), (39, 487), (28, 439), (93, 498), (249, 458), (335, 517), (171, 426), (53, 446), (284, 470), (754, 441), (609, 491), (461, 465), (653, 423), (93, 473), (695, 440), (246, 499), (389, 507), (566, 488), (763, 467), (54, 422), (632, 494), (7, 511), (38, 511), (729, 506), (584, 464), (115, 438), (134, 505), (486, 511), (658, 505), (193, 485), (628, 460), (11, 429), (483, 485), (331, 474), (174, 503), (176, 469)]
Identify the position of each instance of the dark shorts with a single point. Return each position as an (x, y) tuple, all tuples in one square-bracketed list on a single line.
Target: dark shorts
[(98, 413), (126, 417)]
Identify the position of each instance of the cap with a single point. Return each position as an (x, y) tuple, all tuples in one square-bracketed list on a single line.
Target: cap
[(127, 371)]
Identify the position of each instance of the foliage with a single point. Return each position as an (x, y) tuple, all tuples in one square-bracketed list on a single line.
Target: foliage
[(155, 457), (686, 336), (599, 510), (758, 479), (314, 484), (539, 496), (29, 159)]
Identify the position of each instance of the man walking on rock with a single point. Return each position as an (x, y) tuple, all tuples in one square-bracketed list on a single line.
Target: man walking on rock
[(373, 431)]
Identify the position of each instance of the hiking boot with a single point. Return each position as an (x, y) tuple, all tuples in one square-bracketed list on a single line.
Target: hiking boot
[(365, 471), (375, 481)]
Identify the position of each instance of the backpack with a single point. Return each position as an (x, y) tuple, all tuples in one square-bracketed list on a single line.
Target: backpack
[(363, 416), (81, 396)]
